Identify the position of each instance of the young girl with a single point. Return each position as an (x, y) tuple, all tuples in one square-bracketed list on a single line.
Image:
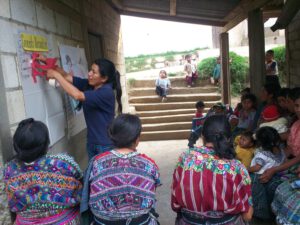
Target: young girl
[(120, 185), (246, 114), (98, 100), (162, 84), (245, 147), (268, 155)]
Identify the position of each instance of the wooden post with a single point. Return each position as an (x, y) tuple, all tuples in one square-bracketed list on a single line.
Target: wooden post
[(256, 51), (225, 73)]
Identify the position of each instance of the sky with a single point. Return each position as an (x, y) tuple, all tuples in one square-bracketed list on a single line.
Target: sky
[(148, 36)]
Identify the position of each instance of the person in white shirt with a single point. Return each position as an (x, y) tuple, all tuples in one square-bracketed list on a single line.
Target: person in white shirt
[(162, 85), (268, 155)]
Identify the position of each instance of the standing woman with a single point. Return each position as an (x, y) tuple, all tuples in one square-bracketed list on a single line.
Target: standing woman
[(98, 100)]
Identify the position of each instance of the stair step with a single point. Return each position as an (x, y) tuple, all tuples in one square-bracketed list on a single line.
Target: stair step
[(168, 118), (175, 82), (167, 126), (177, 98), (134, 92), (169, 105), (167, 112), (165, 135)]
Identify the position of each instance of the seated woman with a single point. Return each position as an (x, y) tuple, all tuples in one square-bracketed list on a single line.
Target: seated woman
[(122, 183), (209, 185), (41, 189)]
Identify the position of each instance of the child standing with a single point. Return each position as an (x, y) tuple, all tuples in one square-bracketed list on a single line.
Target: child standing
[(268, 155), (197, 124), (190, 71), (162, 84), (271, 69), (245, 147)]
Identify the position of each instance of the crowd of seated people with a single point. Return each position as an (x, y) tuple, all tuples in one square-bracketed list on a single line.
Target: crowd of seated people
[(266, 140), (247, 166)]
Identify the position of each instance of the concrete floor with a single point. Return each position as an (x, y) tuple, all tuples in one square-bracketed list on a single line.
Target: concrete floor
[(165, 154)]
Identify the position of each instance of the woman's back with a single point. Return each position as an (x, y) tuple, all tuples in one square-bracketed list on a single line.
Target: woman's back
[(207, 185), (43, 188), (122, 185)]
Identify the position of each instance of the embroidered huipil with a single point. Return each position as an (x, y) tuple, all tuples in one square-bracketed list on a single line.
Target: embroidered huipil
[(122, 186), (209, 186), (48, 189)]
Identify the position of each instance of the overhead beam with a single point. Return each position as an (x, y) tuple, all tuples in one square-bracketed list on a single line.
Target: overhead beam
[(177, 18), (172, 7), (240, 12), (115, 4), (267, 14)]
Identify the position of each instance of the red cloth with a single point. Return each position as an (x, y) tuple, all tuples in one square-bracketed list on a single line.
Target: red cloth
[(199, 122), (270, 113), (203, 183)]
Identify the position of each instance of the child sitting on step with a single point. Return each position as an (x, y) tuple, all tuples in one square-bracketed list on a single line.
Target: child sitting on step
[(162, 84)]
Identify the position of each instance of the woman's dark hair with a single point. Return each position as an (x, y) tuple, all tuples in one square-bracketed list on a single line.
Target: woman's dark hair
[(108, 69), (125, 130), (294, 93), (267, 138), (31, 140), (272, 89), (245, 91), (284, 92), (217, 130), (199, 104)]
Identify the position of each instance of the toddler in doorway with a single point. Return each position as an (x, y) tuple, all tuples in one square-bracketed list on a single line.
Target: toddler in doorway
[(162, 84), (245, 147)]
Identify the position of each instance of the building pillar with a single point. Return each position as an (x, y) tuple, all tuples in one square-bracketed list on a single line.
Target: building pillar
[(225, 73), (256, 50), (6, 149)]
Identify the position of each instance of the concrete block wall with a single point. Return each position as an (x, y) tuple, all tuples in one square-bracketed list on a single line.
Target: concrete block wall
[(293, 51), (62, 21), (102, 19)]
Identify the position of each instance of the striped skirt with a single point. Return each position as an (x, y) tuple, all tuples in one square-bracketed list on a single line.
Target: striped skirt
[(286, 204)]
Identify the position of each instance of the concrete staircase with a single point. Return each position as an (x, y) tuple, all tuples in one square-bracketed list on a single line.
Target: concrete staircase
[(169, 120)]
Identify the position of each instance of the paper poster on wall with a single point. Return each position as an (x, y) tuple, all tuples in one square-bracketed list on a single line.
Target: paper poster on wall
[(74, 61), (42, 102)]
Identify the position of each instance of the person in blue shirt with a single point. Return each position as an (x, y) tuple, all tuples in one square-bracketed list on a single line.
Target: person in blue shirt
[(96, 93)]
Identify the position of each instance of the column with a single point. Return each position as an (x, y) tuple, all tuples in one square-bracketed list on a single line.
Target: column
[(225, 73), (256, 50)]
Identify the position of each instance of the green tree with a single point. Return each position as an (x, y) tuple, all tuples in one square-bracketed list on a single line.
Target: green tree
[(279, 56), (238, 70)]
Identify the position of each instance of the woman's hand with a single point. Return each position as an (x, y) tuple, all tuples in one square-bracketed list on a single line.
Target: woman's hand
[(247, 216), (267, 175), (52, 74)]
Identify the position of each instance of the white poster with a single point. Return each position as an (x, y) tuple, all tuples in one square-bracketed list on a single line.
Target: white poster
[(42, 101), (74, 61)]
